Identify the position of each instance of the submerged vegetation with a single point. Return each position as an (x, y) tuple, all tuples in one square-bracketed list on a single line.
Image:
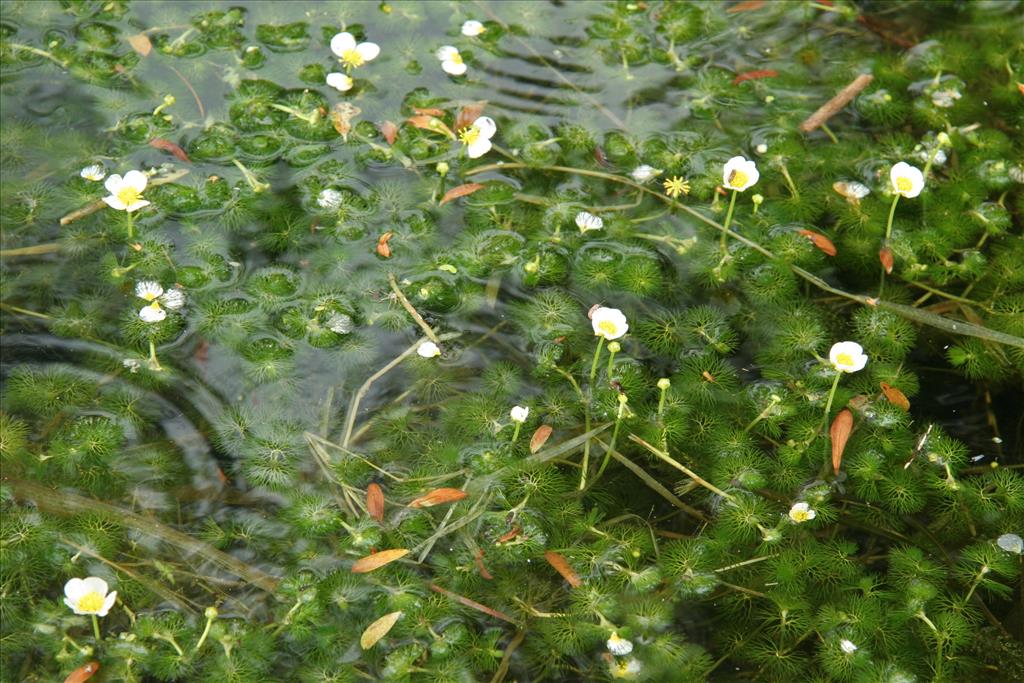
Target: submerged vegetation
[(512, 342)]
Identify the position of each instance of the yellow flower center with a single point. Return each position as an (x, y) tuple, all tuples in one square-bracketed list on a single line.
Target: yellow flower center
[(800, 515), (904, 184), (455, 58), (155, 305), (90, 602), (129, 195), (469, 135), (844, 359), (352, 58), (738, 178), (608, 327)]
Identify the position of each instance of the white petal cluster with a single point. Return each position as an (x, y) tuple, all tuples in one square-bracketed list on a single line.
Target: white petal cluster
[(801, 512), (353, 54), (609, 323), (643, 173), (847, 356), (472, 28), (619, 646), (451, 60), (429, 349), (93, 172), (519, 414), (907, 180), (89, 596), (739, 173), (126, 192), (477, 136), (587, 221), (158, 299), (339, 81)]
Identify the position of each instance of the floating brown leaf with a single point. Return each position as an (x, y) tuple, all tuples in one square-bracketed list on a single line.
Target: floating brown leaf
[(431, 123), (885, 256), (437, 497), (342, 114), (378, 629), (375, 501), (840, 433), (895, 396), (540, 437), (168, 146), (140, 43), (390, 131), (460, 191), (468, 114), (561, 566), (383, 248), (377, 560), (820, 241), (428, 111), (83, 673)]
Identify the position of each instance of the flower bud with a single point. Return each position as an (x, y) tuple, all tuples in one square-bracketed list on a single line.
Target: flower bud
[(614, 347), (664, 383), (211, 612), (442, 168), (757, 199)]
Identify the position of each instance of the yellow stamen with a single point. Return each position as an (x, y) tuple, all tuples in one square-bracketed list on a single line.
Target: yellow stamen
[(129, 195), (90, 602), (455, 58), (904, 184), (738, 178), (844, 359), (469, 135), (155, 305), (800, 515), (352, 58), (608, 327)]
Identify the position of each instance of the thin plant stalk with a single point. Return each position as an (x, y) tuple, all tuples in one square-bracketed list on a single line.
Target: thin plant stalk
[(131, 225), (615, 435), (96, 628), (888, 233), (727, 223), (585, 465), (515, 433), (153, 360), (831, 395)]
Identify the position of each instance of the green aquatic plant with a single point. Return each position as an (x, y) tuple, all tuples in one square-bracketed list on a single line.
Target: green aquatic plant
[(444, 342)]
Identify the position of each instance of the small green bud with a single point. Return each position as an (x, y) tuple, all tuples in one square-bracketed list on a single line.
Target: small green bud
[(664, 383), (211, 612), (757, 199), (943, 139), (614, 347), (531, 267), (442, 168)]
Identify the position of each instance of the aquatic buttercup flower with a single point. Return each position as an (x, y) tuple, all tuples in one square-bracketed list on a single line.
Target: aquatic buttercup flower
[(676, 186), (643, 173), (847, 356), (907, 180), (801, 512), (847, 646), (625, 668), (155, 295), (329, 199), (126, 192), (352, 54), (609, 323), (429, 349), (93, 172), (587, 221), (451, 60), (619, 646), (739, 173), (89, 596), (1011, 543), (519, 414), (472, 28), (477, 136), (340, 81)]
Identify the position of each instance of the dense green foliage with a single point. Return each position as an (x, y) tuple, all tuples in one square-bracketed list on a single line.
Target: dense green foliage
[(220, 457)]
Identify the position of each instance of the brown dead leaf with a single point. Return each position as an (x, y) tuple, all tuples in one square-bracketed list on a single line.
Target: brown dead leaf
[(168, 146), (508, 535), (747, 6), (468, 114), (140, 43), (375, 501), (540, 437), (561, 566), (390, 131), (437, 497), (460, 191), (378, 629), (895, 396), (431, 123), (382, 244), (885, 256), (377, 560), (479, 559), (820, 241), (429, 111), (342, 114), (842, 425), (83, 673)]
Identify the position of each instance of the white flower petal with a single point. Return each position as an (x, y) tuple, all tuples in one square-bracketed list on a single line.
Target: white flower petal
[(152, 315), (479, 148), (472, 28), (739, 173), (148, 290), (454, 68), (847, 356), (446, 52), (74, 589), (519, 413), (486, 126), (136, 180), (173, 299), (114, 183), (342, 43), (340, 81), (368, 51), (93, 172), (428, 349), (114, 203), (906, 180), (643, 173), (136, 205), (94, 584), (107, 604), (587, 221), (609, 323)]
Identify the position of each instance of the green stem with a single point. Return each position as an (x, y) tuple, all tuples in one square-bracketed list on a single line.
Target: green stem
[(152, 356), (96, 628), (728, 222), (593, 366), (831, 395), (888, 233), (661, 403), (131, 225), (515, 433), (611, 444), (585, 465), (206, 632), (611, 361)]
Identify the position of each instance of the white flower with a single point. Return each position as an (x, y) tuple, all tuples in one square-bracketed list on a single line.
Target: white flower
[(451, 60), (472, 28), (132, 365), (801, 512), (619, 646), (643, 173), (739, 174), (847, 356), (89, 596), (625, 669), (587, 221), (847, 646), (429, 349), (126, 192), (907, 180), (339, 323), (1011, 543), (155, 295), (761, 149), (352, 55), (851, 190), (945, 98), (609, 323), (94, 172), (477, 137), (519, 414), (329, 199), (340, 81)]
